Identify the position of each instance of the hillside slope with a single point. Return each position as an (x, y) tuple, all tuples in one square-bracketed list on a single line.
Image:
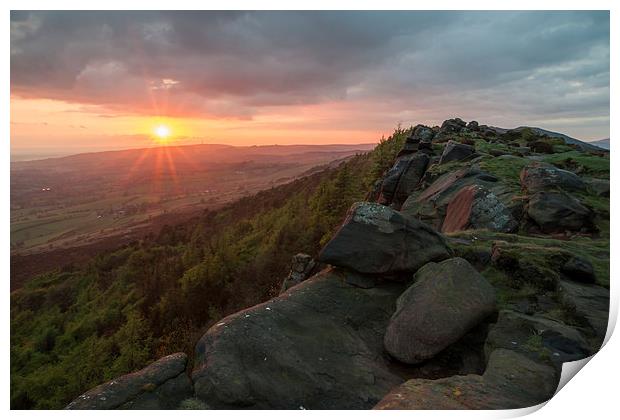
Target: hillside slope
[(82, 204), (84, 324), (603, 144)]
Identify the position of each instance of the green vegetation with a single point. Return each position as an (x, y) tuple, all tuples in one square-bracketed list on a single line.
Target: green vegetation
[(581, 163), (384, 154), (75, 328), (506, 168), (543, 252), (114, 194), (534, 343), (486, 147)]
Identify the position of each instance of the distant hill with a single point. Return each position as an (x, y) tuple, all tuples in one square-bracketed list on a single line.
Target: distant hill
[(569, 140), (81, 200), (604, 143), (200, 152)]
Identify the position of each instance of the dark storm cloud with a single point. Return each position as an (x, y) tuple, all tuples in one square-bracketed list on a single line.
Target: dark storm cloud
[(233, 63)]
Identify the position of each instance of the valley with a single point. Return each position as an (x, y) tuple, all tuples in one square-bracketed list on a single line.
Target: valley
[(79, 205)]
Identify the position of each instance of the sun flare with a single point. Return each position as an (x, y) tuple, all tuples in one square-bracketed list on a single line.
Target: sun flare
[(162, 132)]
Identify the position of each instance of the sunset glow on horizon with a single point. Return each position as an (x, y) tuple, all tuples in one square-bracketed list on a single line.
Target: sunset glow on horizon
[(162, 132), (253, 78)]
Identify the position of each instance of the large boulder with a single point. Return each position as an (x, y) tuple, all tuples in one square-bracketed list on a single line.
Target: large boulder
[(446, 300), (426, 147), (403, 177), (456, 151), (420, 133), (410, 178), (541, 176), (588, 303), (579, 269), (430, 205), (556, 211), (487, 132), (301, 266), (538, 338), (510, 381), (317, 346), (161, 385), (376, 239), (476, 207), (473, 126), (450, 127)]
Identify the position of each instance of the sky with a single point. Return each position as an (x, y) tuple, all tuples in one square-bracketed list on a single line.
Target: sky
[(96, 80)]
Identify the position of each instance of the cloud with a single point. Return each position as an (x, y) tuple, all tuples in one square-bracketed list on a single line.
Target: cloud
[(237, 64)]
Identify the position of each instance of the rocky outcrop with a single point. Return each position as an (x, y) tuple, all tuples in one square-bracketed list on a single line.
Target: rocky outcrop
[(538, 338), (396, 322), (301, 266), (403, 178), (476, 207), (540, 176), (426, 147), (446, 300), (579, 269), (473, 126), (589, 303), (161, 385), (431, 204), (556, 211), (449, 128), (420, 133), (376, 239), (456, 151), (317, 346), (510, 381)]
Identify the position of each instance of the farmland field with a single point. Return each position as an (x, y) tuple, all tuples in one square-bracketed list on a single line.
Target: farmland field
[(76, 202)]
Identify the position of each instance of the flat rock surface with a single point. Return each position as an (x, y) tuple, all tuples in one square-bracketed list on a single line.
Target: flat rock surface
[(476, 207), (431, 204), (510, 381), (456, 151), (161, 385), (317, 346), (557, 212), (538, 338), (541, 176), (588, 302)]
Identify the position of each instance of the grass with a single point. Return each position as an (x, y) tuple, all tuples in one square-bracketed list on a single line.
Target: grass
[(581, 163), (500, 281), (599, 204), (435, 171), (507, 169), (485, 147), (534, 344), (542, 250)]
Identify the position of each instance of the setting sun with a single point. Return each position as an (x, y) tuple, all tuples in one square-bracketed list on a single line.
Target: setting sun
[(162, 132)]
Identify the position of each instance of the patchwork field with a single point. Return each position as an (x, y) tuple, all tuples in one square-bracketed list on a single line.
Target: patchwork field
[(76, 202)]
